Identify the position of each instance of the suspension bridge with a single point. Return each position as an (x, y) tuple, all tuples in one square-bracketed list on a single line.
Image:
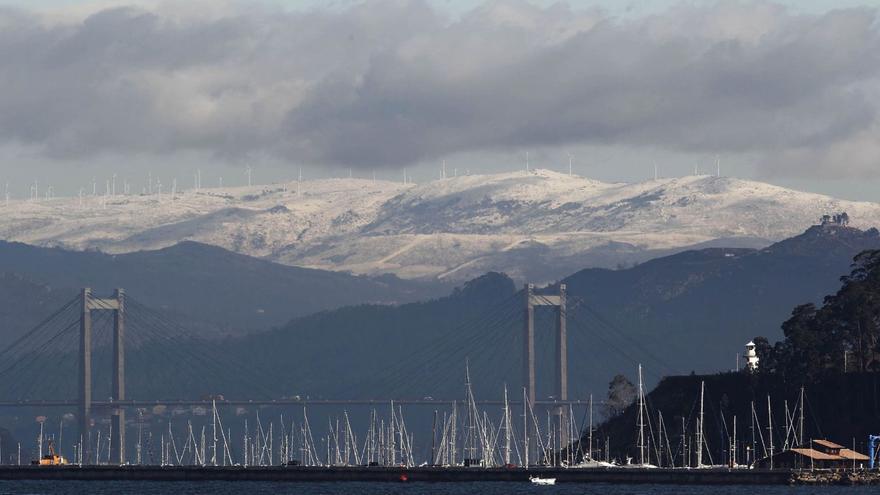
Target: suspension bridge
[(46, 364)]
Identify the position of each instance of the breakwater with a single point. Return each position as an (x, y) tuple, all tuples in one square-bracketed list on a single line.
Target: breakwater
[(836, 477), (397, 474)]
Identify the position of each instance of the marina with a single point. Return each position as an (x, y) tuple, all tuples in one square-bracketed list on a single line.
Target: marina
[(518, 438)]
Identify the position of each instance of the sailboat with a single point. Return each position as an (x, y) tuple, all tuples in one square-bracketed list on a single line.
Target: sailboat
[(643, 461), (588, 461)]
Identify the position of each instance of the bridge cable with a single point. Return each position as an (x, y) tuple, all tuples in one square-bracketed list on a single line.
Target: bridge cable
[(446, 343), (162, 330), (31, 334), (174, 331), (452, 344), (625, 335), (613, 330)]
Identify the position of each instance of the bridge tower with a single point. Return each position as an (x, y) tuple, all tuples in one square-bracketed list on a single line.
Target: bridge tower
[(558, 301), (561, 368), (117, 305)]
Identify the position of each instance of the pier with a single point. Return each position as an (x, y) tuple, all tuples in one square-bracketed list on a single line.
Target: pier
[(399, 474)]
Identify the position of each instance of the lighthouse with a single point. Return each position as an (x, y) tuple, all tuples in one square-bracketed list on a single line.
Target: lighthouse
[(751, 357)]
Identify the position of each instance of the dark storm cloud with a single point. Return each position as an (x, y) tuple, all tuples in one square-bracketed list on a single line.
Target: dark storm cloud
[(391, 83)]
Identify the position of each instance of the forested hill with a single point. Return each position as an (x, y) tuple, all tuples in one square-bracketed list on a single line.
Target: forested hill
[(701, 307), (830, 351), (841, 408)]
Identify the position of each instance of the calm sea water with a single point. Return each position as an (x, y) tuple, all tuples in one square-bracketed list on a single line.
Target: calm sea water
[(221, 488)]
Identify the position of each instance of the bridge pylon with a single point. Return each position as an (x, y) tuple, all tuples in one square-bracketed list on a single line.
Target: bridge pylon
[(557, 301), (117, 305), (561, 369)]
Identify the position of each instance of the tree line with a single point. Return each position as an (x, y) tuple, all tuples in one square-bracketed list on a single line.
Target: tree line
[(843, 335)]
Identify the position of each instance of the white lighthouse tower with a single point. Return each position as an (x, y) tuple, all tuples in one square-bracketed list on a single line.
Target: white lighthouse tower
[(751, 357)]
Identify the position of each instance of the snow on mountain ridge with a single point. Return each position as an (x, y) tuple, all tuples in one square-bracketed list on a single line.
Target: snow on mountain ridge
[(538, 223), (543, 202)]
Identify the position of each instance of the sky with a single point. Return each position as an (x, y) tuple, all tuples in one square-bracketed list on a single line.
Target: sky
[(784, 92)]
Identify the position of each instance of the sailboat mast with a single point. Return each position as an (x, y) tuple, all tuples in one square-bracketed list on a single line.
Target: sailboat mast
[(525, 429), (700, 429), (571, 427), (40, 443), (733, 444), (506, 428), (641, 419), (754, 439), (801, 420), (685, 461), (454, 436), (590, 446), (787, 425), (140, 436), (244, 453), (391, 435), (770, 429), (471, 445), (214, 432), (433, 437)]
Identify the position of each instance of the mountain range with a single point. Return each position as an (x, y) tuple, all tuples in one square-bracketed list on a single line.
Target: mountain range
[(210, 290), (692, 311), (537, 225)]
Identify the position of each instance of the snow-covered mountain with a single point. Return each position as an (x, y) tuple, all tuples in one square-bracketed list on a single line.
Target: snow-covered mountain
[(538, 225)]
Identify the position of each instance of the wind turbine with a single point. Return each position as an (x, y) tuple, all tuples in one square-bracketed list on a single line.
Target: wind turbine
[(248, 170)]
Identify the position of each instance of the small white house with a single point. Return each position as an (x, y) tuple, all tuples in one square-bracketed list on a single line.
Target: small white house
[(751, 357)]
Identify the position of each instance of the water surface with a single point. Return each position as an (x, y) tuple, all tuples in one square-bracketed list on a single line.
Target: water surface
[(356, 488)]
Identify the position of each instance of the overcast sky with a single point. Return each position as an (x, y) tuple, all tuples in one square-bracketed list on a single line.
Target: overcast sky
[(784, 92)]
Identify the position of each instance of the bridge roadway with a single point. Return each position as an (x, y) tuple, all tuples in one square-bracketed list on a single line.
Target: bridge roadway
[(275, 402)]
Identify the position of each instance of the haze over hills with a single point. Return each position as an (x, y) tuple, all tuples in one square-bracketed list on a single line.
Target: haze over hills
[(538, 225), (690, 311), (205, 287)]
